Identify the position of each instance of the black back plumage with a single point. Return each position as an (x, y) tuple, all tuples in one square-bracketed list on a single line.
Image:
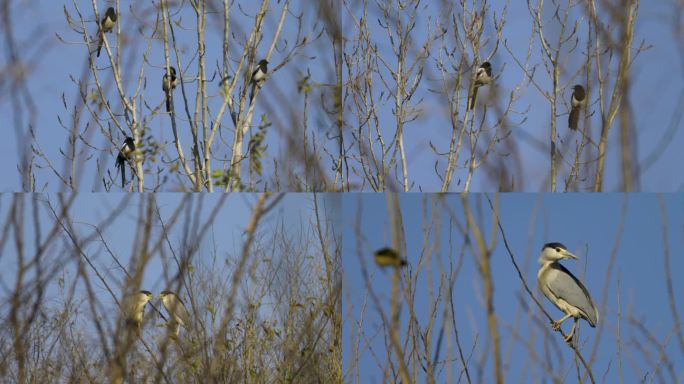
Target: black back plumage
[(106, 25), (125, 152), (578, 96)]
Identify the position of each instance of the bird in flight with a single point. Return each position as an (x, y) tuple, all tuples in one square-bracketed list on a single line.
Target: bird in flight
[(388, 257)]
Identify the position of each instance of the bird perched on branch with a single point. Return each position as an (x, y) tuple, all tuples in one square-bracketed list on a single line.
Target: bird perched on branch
[(133, 308), (577, 102), (106, 25), (483, 76), (258, 76), (563, 289), (125, 155), (176, 309), (388, 257), (169, 83)]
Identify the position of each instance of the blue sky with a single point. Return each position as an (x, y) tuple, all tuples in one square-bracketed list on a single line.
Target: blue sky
[(586, 224), (53, 64)]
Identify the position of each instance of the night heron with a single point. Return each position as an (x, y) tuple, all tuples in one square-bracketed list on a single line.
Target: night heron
[(388, 257), (174, 306), (563, 289), (133, 308)]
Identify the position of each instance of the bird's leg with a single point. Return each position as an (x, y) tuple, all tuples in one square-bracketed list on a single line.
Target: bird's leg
[(557, 324), (568, 339)]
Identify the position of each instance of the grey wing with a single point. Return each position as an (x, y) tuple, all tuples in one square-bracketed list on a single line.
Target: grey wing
[(182, 313), (130, 306), (567, 287)]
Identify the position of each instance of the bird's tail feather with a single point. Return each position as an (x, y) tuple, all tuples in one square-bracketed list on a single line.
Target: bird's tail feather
[(573, 119), (472, 98), (251, 94), (123, 175), (99, 42), (121, 164)]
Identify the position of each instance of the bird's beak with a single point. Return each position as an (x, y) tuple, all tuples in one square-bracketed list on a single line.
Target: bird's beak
[(568, 255)]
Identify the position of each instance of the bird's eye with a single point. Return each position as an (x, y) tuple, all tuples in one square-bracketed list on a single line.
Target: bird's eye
[(557, 249)]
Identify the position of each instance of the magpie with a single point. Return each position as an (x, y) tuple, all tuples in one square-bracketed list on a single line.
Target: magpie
[(124, 155), (169, 83), (578, 99), (259, 75), (106, 25), (483, 76)]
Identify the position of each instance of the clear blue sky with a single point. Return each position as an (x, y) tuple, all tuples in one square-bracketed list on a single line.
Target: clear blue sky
[(582, 222), (54, 63)]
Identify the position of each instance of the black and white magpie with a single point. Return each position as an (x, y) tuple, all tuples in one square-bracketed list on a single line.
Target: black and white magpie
[(124, 155), (483, 76), (169, 82), (107, 24), (578, 99), (259, 75)]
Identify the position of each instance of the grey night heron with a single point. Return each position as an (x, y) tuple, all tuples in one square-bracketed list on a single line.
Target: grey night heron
[(133, 308), (563, 289), (174, 306)]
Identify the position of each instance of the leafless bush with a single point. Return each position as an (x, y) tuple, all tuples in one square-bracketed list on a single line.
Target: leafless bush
[(265, 311)]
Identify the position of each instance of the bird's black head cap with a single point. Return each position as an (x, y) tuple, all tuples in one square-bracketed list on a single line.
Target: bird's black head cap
[(385, 251), (554, 245), (111, 13)]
